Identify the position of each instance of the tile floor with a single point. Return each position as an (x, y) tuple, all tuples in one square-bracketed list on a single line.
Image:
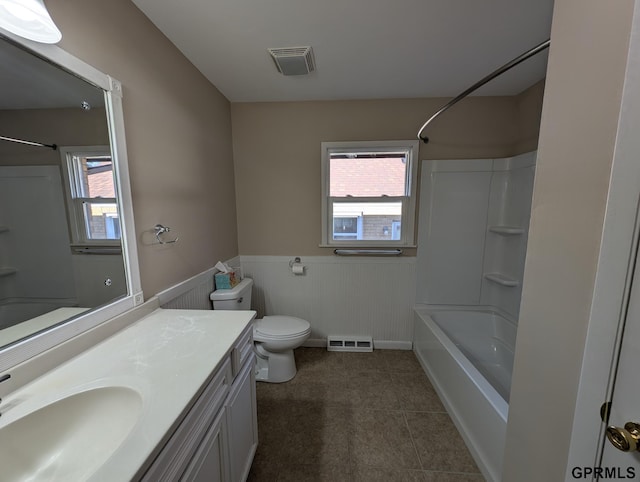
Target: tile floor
[(357, 417)]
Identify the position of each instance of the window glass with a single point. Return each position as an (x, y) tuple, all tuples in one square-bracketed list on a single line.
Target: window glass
[(366, 175), (95, 191), (98, 177), (368, 221), (101, 220), (345, 227)]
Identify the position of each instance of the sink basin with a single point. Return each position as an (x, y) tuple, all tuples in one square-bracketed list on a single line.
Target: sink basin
[(68, 439)]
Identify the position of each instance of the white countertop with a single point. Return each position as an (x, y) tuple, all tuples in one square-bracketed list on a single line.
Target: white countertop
[(166, 356)]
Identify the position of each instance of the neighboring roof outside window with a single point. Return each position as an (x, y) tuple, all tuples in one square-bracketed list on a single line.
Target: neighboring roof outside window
[(367, 176)]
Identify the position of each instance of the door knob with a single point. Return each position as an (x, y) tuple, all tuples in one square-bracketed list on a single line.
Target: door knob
[(626, 439)]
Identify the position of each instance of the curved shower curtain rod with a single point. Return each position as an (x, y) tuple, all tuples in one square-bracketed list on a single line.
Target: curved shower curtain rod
[(521, 58), (29, 143)]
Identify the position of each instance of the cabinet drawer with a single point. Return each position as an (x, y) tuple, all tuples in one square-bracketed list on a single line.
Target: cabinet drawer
[(242, 350)]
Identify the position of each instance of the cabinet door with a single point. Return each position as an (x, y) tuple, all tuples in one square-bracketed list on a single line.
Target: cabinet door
[(209, 462), (179, 451), (242, 422)]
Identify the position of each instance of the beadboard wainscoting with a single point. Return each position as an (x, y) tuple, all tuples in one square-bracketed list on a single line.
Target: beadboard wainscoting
[(193, 293), (369, 296)]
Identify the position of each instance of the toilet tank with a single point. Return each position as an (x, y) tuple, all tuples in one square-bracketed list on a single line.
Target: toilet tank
[(236, 298)]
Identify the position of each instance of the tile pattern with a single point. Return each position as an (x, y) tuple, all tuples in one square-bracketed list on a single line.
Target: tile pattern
[(352, 417)]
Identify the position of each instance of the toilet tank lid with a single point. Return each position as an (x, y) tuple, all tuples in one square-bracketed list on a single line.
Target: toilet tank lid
[(234, 293)]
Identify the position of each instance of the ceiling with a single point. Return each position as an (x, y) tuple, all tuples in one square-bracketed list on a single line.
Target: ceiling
[(364, 49)]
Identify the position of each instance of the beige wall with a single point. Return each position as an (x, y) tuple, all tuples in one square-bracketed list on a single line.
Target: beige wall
[(277, 154), (577, 135), (528, 111), (178, 137)]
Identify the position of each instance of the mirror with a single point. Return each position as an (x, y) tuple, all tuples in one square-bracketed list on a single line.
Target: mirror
[(64, 204)]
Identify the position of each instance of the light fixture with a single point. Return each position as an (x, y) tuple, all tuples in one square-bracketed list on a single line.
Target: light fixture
[(29, 19)]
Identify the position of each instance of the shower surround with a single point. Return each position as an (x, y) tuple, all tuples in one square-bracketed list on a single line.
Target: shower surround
[(474, 219)]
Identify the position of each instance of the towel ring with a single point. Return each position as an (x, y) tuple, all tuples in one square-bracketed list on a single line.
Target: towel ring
[(159, 230)]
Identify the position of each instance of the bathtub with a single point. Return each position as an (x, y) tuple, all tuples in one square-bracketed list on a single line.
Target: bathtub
[(467, 353)]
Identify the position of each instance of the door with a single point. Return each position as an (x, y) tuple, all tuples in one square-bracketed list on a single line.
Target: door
[(209, 463), (621, 451), (242, 421)]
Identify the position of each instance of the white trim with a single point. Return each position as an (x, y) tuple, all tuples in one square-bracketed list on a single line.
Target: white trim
[(368, 206), (617, 251), (13, 355), (123, 187)]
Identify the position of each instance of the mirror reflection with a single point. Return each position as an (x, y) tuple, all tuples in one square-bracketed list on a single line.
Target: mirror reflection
[(60, 248)]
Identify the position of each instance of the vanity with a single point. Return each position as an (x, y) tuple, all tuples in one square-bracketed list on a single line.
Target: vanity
[(97, 383), (170, 397)]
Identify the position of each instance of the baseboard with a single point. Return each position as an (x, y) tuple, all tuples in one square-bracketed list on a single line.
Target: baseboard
[(315, 343), (392, 345), (377, 344)]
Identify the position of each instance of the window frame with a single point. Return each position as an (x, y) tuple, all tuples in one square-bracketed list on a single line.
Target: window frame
[(408, 210), (75, 208)]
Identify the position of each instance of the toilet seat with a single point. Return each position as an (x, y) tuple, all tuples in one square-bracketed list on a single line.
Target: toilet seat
[(280, 327)]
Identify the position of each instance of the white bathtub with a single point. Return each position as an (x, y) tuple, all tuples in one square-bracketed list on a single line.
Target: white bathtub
[(467, 354)]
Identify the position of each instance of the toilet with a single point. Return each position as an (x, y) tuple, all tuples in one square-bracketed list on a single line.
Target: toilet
[(275, 337)]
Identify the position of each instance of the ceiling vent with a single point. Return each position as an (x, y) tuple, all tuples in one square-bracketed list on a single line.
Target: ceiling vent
[(293, 60)]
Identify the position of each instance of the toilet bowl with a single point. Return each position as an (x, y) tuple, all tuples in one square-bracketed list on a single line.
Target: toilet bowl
[(275, 337)]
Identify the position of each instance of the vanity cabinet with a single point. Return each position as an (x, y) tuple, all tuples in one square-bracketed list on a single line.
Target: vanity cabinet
[(242, 429), (208, 464), (217, 439)]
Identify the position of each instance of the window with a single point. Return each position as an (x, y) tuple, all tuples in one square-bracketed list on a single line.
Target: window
[(368, 191), (91, 196)]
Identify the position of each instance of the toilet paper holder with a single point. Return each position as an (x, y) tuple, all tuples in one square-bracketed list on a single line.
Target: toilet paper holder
[(295, 260), (296, 266)]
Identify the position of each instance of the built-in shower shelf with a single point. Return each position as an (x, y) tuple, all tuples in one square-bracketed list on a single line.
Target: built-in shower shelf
[(3, 229), (506, 230), (7, 271), (501, 279)]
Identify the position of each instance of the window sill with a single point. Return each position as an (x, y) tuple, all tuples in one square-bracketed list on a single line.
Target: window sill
[(96, 249)]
